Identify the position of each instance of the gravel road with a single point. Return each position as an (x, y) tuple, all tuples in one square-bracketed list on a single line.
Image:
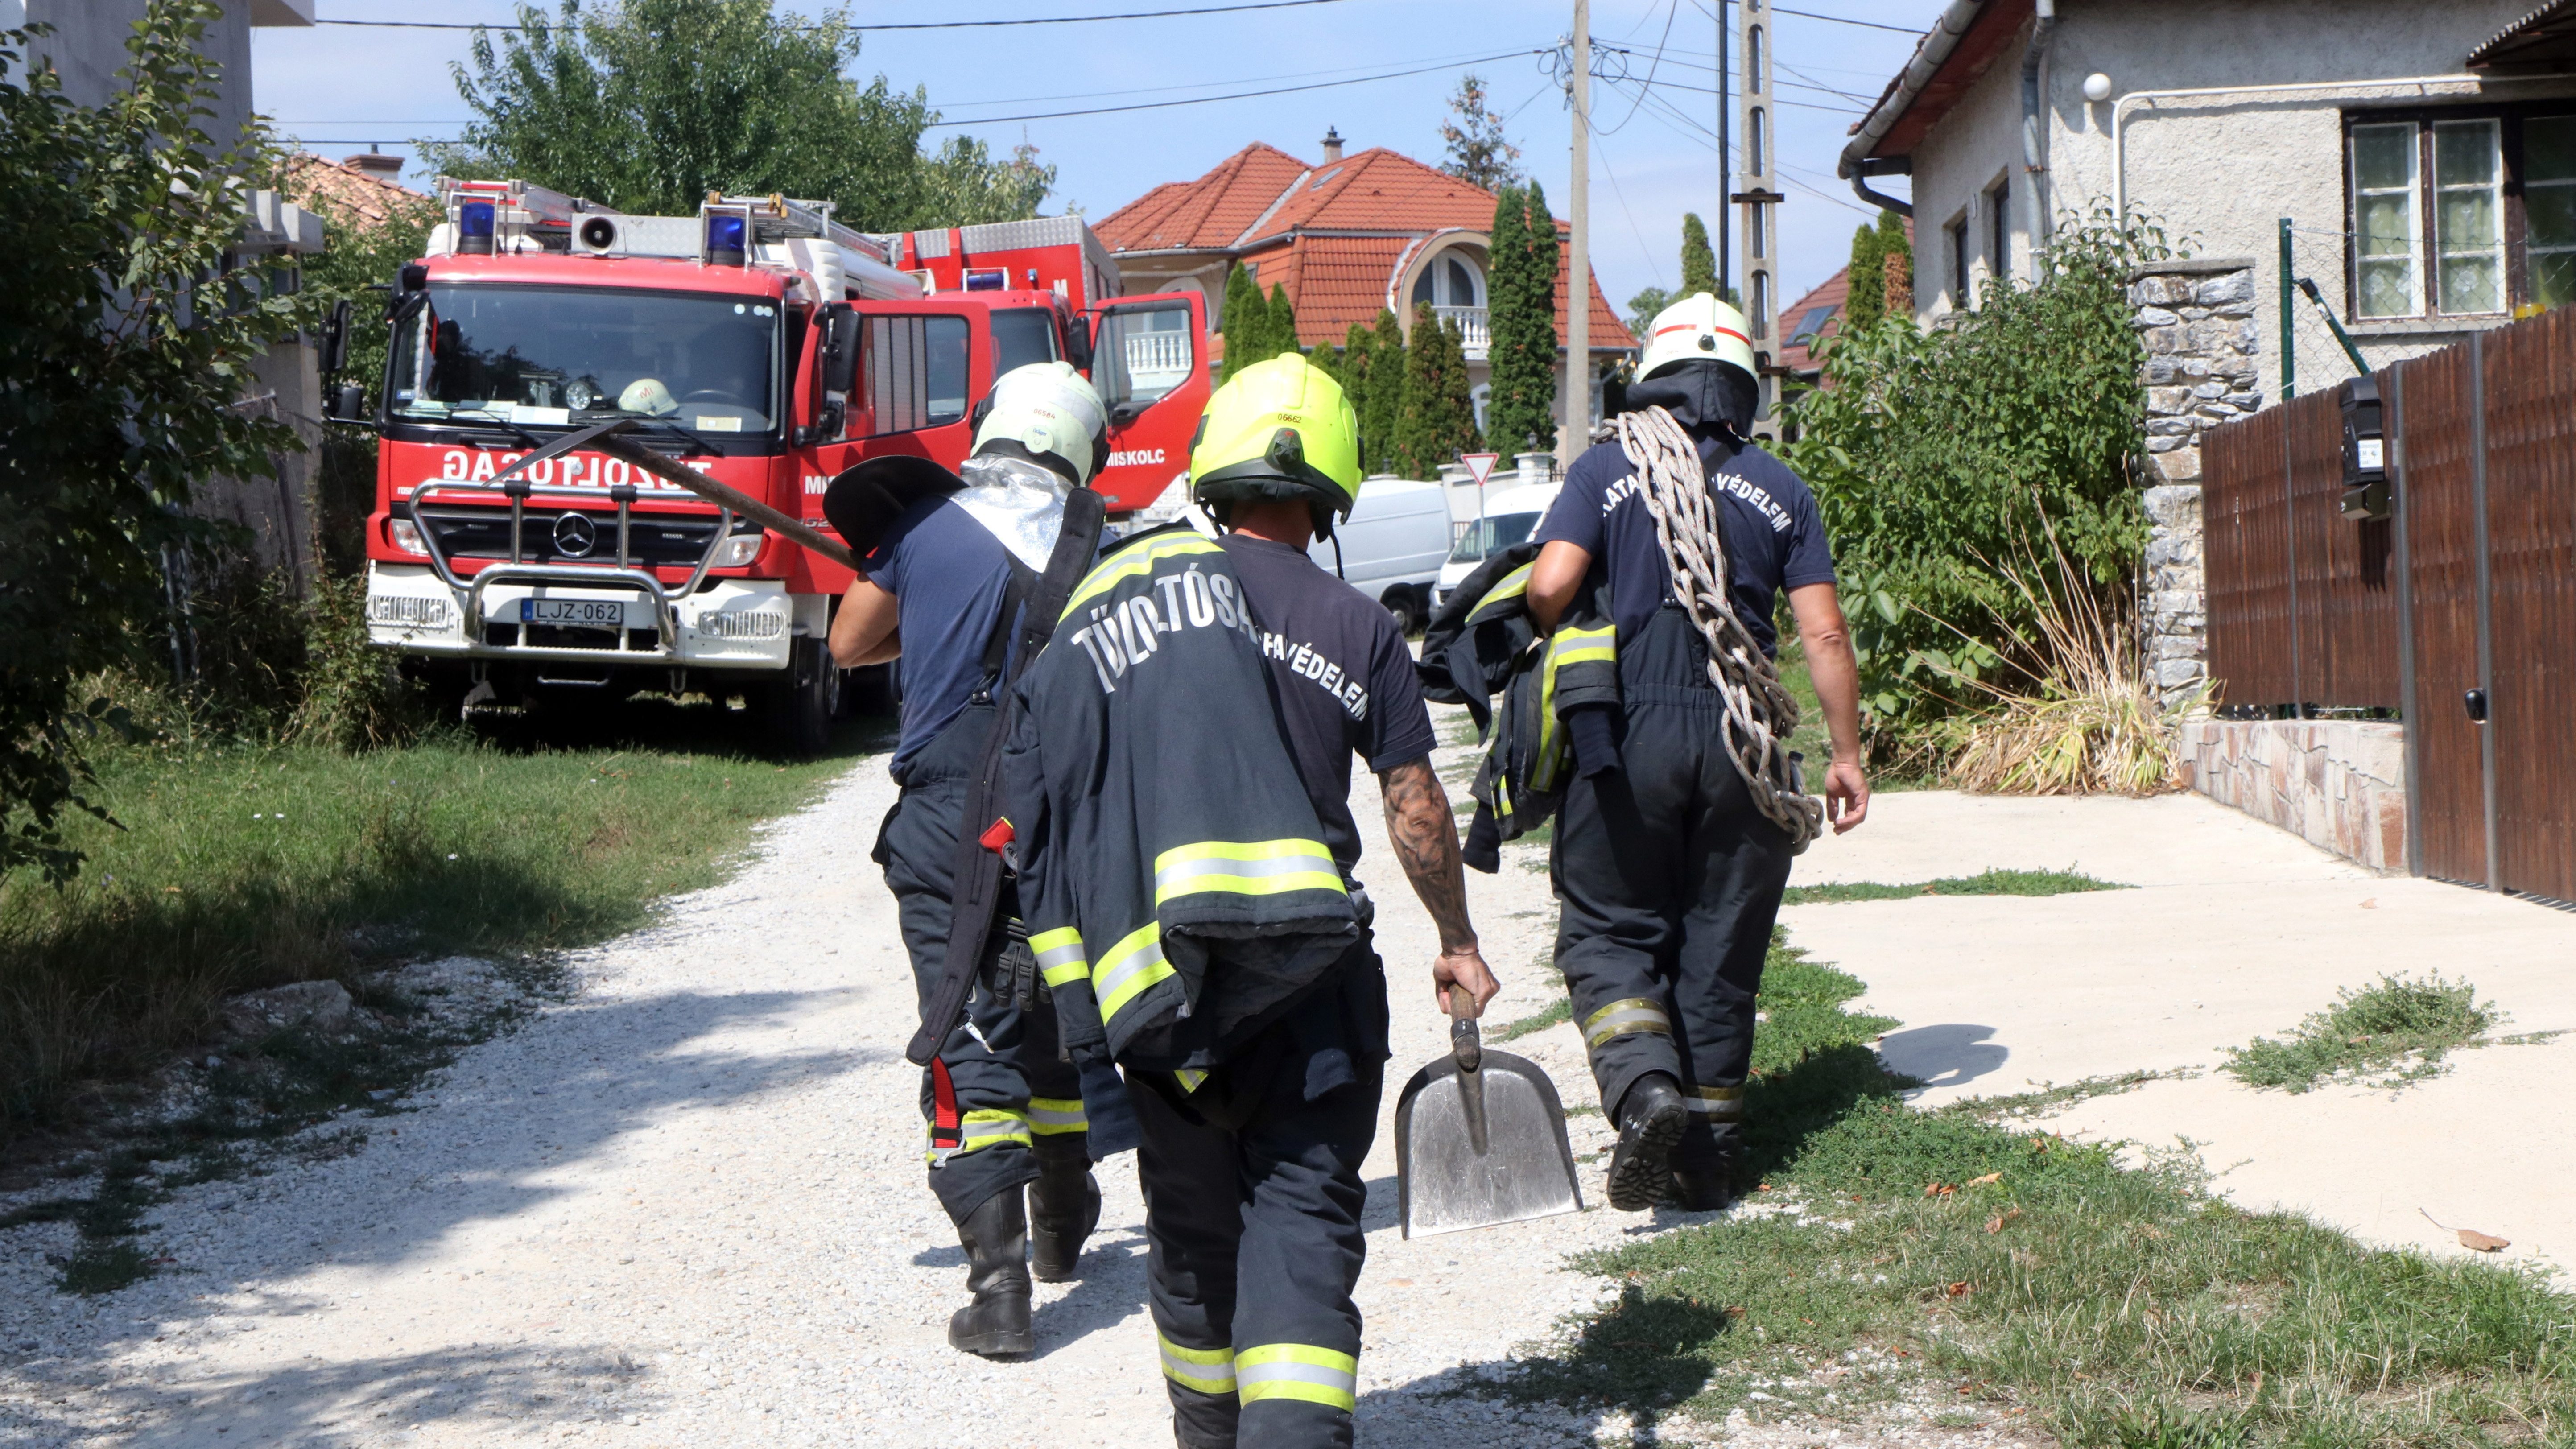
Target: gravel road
[(685, 1207)]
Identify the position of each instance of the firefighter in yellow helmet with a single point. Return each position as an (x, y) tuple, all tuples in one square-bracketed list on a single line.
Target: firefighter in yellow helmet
[(1252, 1173)]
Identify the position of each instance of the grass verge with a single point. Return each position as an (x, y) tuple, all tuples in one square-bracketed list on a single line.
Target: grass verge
[(2401, 1026), (1991, 883), (1951, 1268), (238, 868)]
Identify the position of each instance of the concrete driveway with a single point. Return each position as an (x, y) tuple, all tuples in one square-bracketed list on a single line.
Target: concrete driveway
[(2234, 930)]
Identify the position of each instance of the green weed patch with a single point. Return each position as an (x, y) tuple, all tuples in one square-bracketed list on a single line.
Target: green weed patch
[(1953, 1268), (1991, 883), (2401, 1026), (243, 867)]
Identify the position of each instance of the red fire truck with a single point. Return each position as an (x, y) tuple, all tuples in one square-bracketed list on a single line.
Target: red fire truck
[(758, 343)]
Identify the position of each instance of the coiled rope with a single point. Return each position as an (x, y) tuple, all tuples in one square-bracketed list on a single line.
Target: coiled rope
[(1760, 714)]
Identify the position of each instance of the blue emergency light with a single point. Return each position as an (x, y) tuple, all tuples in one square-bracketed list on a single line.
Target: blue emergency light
[(474, 229), (725, 238)]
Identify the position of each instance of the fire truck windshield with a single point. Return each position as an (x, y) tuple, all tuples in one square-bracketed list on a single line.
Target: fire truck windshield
[(560, 356)]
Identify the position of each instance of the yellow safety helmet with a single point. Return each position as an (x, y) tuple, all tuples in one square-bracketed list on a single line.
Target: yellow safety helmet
[(1278, 429)]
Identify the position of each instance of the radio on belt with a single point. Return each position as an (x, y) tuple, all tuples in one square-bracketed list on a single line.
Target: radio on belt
[(2366, 491)]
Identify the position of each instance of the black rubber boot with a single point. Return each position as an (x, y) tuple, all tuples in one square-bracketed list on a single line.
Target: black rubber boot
[(1064, 1206), (1703, 1187), (1652, 1118), (996, 1237)]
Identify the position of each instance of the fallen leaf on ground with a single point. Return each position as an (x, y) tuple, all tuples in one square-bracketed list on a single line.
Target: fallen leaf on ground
[(1958, 1289), (2371, 905), (1938, 1189), (1996, 1223), (1982, 1181), (2476, 1241)]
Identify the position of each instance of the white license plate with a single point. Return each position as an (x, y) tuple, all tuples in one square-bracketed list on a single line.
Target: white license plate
[(574, 613)]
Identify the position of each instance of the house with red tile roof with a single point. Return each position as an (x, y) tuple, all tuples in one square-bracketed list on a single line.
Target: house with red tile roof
[(359, 192), (1347, 237), (1809, 321)]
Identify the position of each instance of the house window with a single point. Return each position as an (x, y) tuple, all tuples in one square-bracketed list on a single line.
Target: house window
[(1999, 223), (1956, 233), (2462, 214), (1451, 280), (1811, 327)]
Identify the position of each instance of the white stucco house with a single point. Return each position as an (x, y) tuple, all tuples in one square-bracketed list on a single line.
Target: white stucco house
[(2424, 153)]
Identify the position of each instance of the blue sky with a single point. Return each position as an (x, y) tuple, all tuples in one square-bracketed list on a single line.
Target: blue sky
[(332, 85)]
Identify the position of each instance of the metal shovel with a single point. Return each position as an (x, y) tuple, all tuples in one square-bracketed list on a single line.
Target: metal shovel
[(1480, 1138)]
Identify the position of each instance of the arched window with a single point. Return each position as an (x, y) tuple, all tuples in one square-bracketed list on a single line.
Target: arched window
[(1451, 280)]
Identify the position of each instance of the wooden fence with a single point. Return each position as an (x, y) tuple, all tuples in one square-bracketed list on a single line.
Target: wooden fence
[(2464, 603)]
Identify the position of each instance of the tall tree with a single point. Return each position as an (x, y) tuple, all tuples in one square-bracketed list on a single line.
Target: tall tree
[(1699, 259), (1245, 325), (1896, 266), (1643, 307), (1381, 406), (648, 105), (1438, 417), (1521, 318), (130, 332), (1478, 152), (1867, 302), (1283, 323)]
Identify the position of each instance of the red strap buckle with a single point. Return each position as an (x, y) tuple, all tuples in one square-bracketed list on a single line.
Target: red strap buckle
[(997, 834)]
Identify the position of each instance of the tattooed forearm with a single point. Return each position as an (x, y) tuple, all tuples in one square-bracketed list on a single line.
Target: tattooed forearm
[(1425, 836)]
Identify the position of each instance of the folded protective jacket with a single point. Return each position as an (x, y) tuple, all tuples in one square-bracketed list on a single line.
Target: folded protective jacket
[(1559, 695), (1172, 872)]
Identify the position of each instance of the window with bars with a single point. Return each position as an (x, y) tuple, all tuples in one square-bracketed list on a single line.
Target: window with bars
[(2461, 214)]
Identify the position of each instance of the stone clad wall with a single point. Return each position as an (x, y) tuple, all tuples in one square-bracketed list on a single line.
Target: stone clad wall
[(2197, 321), (2339, 784)]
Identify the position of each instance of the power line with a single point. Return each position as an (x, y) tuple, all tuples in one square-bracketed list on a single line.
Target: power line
[(1836, 19), (1234, 96), (905, 25)]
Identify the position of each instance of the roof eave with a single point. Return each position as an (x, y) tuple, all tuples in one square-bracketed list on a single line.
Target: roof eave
[(1931, 54)]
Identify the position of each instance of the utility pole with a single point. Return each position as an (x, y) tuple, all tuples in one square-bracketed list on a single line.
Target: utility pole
[(1578, 260), (1725, 160), (1761, 194)]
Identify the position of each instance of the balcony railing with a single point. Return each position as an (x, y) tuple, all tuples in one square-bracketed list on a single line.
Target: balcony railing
[(1472, 331), (1157, 361)]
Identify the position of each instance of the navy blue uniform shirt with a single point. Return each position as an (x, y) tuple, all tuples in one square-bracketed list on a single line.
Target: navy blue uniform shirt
[(1344, 678), (948, 574), (1766, 518)]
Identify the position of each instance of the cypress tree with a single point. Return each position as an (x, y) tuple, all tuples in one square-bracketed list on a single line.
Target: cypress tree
[(1438, 421), (1283, 323), (1896, 265), (1352, 364), (1246, 324), (1699, 259), (1383, 410), (1522, 322), (1868, 278)]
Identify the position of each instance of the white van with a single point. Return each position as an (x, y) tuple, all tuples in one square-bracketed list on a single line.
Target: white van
[(1511, 516), (1392, 545)]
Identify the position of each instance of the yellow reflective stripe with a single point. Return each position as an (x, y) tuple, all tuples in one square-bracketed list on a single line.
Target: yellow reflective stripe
[(1131, 563), (1059, 954), (1131, 966), (1620, 1017), (1252, 868), (1189, 1078), (1051, 1115), (1578, 646), (1718, 1103), (1298, 1371), (1208, 1370), (978, 1130), (1511, 586)]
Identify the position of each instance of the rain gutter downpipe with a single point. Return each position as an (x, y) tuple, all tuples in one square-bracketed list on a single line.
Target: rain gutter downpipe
[(2034, 166), (1857, 165)]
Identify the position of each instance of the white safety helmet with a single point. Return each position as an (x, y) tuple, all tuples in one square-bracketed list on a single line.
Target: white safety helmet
[(648, 395), (1049, 414), (1695, 328)]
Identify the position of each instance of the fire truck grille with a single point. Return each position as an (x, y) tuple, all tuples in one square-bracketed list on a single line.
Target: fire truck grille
[(546, 538)]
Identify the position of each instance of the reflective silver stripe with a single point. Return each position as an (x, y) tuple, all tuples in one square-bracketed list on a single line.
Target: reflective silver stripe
[(1719, 1102), (1297, 1371), (1207, 1370), (1057, 1114), (1055, 958), (1634, 1014), (1174, 874)]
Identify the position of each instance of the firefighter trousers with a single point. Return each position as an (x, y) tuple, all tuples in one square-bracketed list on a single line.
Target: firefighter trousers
[(998, 1074), (1253, 1200), (1669, 880)]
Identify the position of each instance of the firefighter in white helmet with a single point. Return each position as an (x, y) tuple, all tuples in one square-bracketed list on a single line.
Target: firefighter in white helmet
[(1668, 876), (943, 590)]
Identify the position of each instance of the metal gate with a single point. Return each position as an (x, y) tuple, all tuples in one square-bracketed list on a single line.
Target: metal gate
[(2478, 634)]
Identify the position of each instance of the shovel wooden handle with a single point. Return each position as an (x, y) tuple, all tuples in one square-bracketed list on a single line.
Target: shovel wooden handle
[(1464, 1041)]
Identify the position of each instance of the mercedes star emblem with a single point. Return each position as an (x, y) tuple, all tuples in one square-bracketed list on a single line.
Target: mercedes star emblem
[(575, 535)]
